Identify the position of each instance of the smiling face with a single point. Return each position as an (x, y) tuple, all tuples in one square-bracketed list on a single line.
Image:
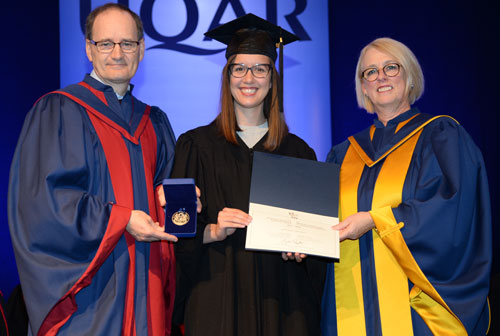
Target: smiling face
[(116, 68), (248, 91), (387, 94)]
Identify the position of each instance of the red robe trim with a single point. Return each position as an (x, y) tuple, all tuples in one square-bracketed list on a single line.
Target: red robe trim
[(161, 270)]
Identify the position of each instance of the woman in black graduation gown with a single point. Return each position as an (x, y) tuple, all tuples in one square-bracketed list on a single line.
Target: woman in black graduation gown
[(223, 289)]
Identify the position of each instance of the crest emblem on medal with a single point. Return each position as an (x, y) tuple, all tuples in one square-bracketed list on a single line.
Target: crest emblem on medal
[(181, 217)]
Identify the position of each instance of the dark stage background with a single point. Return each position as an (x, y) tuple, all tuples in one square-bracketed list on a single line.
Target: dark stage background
[(455, 43)]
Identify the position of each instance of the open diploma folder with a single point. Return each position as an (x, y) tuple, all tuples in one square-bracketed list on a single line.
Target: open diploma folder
[(293, 203)]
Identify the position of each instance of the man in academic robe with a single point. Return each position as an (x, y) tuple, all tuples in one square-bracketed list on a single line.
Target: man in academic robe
[(84, 197)]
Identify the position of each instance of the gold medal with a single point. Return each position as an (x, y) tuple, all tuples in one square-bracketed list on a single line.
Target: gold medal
[(180, 217)]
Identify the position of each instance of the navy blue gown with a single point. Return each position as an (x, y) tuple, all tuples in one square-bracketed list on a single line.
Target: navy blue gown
[(68, 209), (437, 236)]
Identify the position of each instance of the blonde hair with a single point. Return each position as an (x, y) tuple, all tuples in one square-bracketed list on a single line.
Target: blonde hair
[(404, 56)]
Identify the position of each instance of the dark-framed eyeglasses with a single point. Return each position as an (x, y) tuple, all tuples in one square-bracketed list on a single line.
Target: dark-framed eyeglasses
[(390, 70), (239, 70), (107, 46)]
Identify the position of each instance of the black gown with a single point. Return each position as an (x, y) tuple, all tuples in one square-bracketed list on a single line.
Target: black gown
[(222, 289)]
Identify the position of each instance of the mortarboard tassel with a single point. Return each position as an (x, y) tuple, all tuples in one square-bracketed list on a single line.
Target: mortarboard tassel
[(280, 91)]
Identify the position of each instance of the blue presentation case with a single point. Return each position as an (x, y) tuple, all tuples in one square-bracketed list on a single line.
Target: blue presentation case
[(180, 211)]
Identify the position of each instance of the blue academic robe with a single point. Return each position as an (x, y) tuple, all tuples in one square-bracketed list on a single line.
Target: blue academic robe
[(83, 162), (439, 234)]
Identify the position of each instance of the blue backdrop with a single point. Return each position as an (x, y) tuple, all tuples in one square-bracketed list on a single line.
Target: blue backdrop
[(181, 69), (453, 42)]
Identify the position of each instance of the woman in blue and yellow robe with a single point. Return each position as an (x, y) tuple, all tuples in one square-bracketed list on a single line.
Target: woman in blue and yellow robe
[(415, 216)]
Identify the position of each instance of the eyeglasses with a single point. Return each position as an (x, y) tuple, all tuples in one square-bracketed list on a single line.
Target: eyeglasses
[(108, 46), (390, 70), (240, 70)]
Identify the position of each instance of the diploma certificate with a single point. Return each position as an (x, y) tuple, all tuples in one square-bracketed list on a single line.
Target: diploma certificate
[(294, 204), (285, 230)]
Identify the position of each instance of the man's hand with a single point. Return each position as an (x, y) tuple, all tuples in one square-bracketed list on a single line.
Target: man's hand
[(161, 196), (142, 227)]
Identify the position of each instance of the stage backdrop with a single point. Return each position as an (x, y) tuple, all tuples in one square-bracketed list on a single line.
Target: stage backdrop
[(454, 42), (181, 70)]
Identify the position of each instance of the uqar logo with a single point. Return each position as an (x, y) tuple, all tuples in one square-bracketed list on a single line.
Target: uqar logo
[(176, 42)]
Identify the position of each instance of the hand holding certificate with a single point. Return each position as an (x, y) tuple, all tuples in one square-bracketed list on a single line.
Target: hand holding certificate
[(293, 203)]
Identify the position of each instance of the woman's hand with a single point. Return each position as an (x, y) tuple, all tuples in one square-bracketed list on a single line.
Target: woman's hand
[(163, 202), (199, 206), (228, 220), (298, 257), (354, 226)]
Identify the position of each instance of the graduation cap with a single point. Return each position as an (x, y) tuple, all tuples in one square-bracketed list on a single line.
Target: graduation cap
[(250, 34)]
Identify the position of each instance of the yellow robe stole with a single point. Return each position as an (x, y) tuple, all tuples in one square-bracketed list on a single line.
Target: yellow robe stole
[(394, 263)]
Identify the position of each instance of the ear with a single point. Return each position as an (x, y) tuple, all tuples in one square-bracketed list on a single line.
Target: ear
[(142, 47), (363, 89), (88, 50)]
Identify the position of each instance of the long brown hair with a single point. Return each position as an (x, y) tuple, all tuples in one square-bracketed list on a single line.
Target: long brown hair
[(226, 120)]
